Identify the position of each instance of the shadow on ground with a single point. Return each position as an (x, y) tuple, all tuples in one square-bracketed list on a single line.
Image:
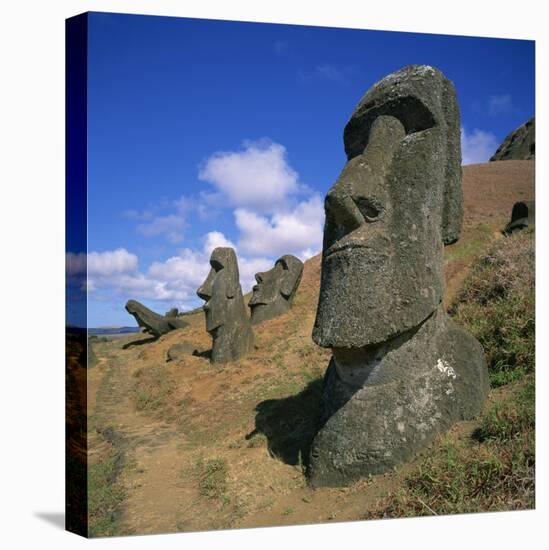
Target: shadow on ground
[(290, 423), (141, 342), (205, 354)]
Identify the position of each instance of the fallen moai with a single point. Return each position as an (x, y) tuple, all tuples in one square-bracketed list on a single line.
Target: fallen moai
[(275, 290), (401, 370), (523, 215), (226, 316), (152, 322)]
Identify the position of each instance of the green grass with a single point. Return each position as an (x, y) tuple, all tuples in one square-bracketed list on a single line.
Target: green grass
[(471, 247), (497, 305), (105, 494)]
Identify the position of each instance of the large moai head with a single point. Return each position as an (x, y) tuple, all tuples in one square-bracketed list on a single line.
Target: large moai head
[(275, 290), (225, 311), (395, 204)]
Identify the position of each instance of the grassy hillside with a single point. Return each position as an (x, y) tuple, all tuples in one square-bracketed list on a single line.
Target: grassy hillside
[(188, 445)]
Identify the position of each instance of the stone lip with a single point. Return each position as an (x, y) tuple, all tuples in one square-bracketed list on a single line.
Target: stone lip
[(520, 144), (275, 290), (153, 322), (420, 388)]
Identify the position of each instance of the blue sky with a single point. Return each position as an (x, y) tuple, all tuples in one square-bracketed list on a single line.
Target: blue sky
[(205, 133)]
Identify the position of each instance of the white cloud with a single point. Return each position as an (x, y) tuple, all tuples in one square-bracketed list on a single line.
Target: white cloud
[(258, 177), (171, 226), (113, 262), (215, 239), (107, 263), (477, 146), (298, 231)]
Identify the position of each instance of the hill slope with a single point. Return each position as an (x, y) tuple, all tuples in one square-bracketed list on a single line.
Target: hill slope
[(187, 445)]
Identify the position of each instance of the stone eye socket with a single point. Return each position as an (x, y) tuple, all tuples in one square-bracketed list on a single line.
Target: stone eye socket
[(216, 265), (369, 208)]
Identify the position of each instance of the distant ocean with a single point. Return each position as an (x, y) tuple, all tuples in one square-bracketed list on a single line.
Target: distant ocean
[(112, 330)]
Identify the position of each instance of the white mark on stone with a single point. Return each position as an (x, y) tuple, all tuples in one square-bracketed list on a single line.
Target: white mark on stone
[(445, 368), (400, 426)]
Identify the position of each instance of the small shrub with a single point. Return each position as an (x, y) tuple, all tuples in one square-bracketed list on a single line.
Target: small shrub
[(212, 477), (152, 387)]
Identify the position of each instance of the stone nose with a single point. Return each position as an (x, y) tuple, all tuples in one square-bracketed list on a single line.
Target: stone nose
[(203, 294), (343, 209)]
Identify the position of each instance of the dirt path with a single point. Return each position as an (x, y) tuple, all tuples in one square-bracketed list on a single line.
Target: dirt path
[(150, 446)]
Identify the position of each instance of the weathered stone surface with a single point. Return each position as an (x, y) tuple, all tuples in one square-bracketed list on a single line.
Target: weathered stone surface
[(226, 316), (180, 350), (523, 215), (520, 144), (152, 322), (401, 371), (275, 290)]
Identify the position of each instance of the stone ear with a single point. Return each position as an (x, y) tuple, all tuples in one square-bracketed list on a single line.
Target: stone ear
[(452, 206)]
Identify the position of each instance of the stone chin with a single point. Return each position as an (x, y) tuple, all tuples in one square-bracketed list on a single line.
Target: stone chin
[(214, 320), (367, 298)]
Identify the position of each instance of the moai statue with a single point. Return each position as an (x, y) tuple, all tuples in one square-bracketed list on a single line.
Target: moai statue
[(523, 215), (152, 322), (226, 316), (275, 290), (401, 370)]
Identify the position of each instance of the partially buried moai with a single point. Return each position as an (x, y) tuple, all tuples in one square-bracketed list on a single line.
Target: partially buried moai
[(226, 317), (401, 370), (275, 290), (152, 322)]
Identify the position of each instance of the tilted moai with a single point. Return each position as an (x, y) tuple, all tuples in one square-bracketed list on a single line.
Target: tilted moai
[(226, 317), (401, 370), (523, 215), (152, 322), (275, 290)]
